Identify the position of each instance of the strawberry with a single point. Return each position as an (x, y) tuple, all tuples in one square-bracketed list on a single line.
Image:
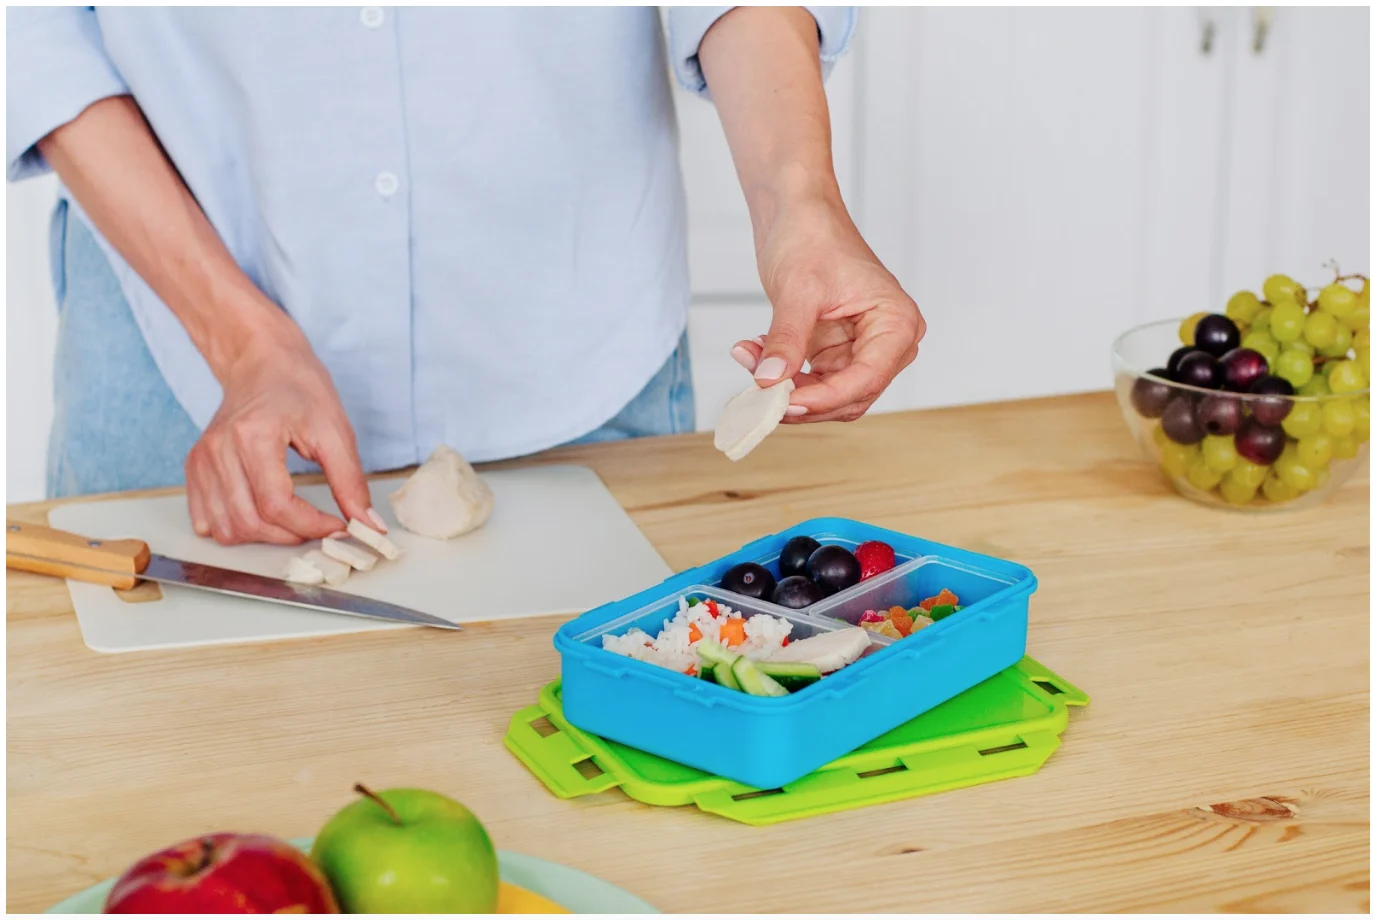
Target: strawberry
[(874, 558)]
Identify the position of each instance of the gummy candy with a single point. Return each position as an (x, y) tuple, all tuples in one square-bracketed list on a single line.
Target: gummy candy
[(902, 621), (945, 596), (940, 611), (871, 616), (885, 628)]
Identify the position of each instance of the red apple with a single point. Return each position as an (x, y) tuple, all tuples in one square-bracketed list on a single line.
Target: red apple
[(223, 874)]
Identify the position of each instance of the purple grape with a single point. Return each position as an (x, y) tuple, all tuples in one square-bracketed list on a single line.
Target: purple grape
[(1179, 421), (1259, 443), (1219, 414), (1216, 334), (1273, 408), (1150, 396), (1172, 364), (1200, 369), (1243, 366)]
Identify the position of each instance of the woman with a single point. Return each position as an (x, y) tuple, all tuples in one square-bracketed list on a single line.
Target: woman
[(345, 236)]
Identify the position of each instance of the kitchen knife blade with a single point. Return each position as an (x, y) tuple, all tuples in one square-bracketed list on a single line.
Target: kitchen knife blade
[(122, 563)]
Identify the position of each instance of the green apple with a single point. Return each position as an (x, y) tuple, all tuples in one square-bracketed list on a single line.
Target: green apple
[(408, 851)]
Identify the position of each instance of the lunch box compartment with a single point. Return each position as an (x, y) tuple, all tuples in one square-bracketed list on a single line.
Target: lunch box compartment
[(907, 585), (767, 742)]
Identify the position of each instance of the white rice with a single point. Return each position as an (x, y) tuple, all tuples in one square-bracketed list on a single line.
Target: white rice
[(672, 648)]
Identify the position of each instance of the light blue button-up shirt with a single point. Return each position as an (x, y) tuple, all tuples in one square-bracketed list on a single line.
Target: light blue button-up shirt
[(475, 214)]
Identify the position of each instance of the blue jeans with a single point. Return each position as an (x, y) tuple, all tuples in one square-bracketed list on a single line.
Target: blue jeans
[(116, 424)]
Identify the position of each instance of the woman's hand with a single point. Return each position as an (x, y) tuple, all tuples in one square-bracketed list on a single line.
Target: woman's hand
[(834, 305), (276, 395)]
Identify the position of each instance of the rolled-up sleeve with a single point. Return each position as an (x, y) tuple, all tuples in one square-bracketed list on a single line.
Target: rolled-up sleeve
[(687, 26), (56, 66)]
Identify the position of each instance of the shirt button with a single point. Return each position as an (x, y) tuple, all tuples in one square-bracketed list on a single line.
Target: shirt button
[(372, 16), (387, 183)]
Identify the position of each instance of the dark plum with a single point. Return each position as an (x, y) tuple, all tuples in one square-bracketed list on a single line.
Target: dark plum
[(1216, 334), (1242, 367), (1259, 443), (1172, 364), (1219, 414), (795, 552), (1179, 421), (796, 592), (1273, 408), (1150, 396), (834, 568), (749, 579), (1200, 369)]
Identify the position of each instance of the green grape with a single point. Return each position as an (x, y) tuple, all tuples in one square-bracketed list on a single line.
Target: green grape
[(1250, 474), (1294, 366), (1320, 329), (1261, 342), (1175, 458), (1338, 417), (1360, 339), (1360, 318), (1340, 347), (1316, 450), (1362, 361), (1337, 299), (1317, 386), (1293, 471), (1159, 437), (1261, 321), (1235, 491), (1345, 448), (1188, 327), (1278, 491), (1283, 288), (1361, 410), (1286, 322), (1243, 307), (1300, 345), (1219, 452), (1202, 476), (1346, 377), (1303, 421)]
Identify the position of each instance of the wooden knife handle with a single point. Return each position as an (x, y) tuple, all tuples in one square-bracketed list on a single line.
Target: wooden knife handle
[(35, 548)]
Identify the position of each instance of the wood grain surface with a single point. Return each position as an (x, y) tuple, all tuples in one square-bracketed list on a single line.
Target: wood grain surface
[(1222, 765)]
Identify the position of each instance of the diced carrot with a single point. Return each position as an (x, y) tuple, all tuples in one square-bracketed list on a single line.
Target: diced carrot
[(945, 596), (694, 634), (732, 631), (691, 670)]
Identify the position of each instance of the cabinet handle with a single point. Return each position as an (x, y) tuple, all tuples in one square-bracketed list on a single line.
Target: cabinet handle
[(1209, 33), (1263, 17)]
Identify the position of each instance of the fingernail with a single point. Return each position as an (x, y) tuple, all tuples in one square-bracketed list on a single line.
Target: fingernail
[(339, 535), (376, 519), (758, 340), (770, 368), (796, 410), (202, 529), (743, 357)]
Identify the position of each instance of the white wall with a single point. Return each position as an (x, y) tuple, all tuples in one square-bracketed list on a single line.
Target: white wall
[(1038, 179)]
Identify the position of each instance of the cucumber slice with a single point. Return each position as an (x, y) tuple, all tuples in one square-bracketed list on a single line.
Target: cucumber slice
[(753, 681), (726, 677), (715, 653), (792, 675), (706, 672)]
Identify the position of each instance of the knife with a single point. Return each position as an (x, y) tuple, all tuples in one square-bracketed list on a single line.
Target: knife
[(123, 563)]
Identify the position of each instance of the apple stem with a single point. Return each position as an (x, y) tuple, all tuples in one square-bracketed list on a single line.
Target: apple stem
[(363, 790)]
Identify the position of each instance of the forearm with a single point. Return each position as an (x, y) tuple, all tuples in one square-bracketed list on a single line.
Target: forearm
[(763, 69), (113, 166)]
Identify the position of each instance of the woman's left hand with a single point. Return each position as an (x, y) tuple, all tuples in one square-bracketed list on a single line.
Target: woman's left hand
[(834, 305)]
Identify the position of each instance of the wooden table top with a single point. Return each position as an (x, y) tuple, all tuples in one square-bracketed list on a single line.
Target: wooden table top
[(1222, 765)]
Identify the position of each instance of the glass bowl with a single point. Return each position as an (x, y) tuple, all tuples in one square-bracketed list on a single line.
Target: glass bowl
[(1317, 443)]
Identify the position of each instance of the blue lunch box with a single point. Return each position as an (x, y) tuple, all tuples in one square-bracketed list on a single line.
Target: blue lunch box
[(767, 742)]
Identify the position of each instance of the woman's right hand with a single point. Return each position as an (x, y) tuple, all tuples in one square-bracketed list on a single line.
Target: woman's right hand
[(277, 395)]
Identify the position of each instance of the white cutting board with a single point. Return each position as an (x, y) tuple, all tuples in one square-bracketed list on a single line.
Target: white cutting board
[(557, 543)]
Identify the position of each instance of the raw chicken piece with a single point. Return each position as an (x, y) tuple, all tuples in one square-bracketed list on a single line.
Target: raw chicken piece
[(335, 572), (350, 554), (444, 498), (302, 572), (378, 541), (828, 651)]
